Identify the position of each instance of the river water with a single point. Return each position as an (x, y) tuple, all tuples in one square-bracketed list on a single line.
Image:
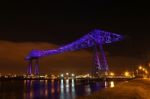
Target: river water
[(49, 89)]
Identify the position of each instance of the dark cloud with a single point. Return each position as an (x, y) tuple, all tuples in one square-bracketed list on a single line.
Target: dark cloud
[(12, 59)]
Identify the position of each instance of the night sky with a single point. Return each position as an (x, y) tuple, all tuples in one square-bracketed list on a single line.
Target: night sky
[(46, 25)]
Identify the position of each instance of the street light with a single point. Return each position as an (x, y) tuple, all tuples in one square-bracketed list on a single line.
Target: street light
[(112, 74), (72, 75), (126, 74), (143, 69), (62, 75), (140, 67), (67, 74)]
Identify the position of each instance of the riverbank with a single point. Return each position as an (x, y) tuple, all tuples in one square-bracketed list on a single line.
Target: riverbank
[(134, 89)]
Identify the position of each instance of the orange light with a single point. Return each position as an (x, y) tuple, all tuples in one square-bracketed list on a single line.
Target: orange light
[(146, 71), (112, 74), (127, 73), (140, 67), (143, 69)]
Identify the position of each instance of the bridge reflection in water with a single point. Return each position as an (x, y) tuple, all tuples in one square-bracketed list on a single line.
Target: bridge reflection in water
[(61, 89)]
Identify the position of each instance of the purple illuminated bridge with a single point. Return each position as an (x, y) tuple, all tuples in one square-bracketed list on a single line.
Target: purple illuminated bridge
[(96, 39)]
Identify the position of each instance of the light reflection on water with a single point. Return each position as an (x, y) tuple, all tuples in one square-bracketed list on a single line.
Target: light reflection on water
[(112, 84), (49, 89)]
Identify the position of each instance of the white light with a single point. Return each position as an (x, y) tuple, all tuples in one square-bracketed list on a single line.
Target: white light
[(72, 74), (62, 75), (67, 73), (112, 84)]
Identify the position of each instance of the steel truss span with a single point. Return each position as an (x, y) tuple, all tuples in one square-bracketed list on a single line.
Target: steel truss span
[(95, 38)]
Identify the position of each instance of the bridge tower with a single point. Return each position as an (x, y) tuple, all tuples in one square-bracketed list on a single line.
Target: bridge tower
[(33, 62), (100, 67)]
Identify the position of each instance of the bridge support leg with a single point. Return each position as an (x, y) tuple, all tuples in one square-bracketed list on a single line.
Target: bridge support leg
[(100, 64), (36, 71), (29, 69), (97, 65), (103, 59), (104, 65)]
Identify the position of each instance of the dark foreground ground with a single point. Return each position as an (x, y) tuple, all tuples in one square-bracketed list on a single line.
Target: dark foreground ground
[(134, 89)]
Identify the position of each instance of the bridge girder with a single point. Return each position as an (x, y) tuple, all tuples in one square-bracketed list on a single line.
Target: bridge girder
[(96, 37)]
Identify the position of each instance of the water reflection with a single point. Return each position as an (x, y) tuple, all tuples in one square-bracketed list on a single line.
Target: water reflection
[(67, 92), (87, 90), (28, 85), (73, 88), (46, 88), (62, 89), (67, 85), (50, 89), (112, 84), (106, 84)]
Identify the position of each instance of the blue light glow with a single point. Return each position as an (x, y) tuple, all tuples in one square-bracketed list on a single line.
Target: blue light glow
[(86, 41), (96, 37)]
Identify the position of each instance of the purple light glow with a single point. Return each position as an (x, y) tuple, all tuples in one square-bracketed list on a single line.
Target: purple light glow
[(95, 37), (98, 36)]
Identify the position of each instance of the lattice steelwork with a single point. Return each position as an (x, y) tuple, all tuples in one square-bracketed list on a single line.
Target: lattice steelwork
[(94, 38)]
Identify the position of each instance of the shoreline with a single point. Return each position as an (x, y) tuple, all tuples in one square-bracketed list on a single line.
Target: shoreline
[(133, 89)]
